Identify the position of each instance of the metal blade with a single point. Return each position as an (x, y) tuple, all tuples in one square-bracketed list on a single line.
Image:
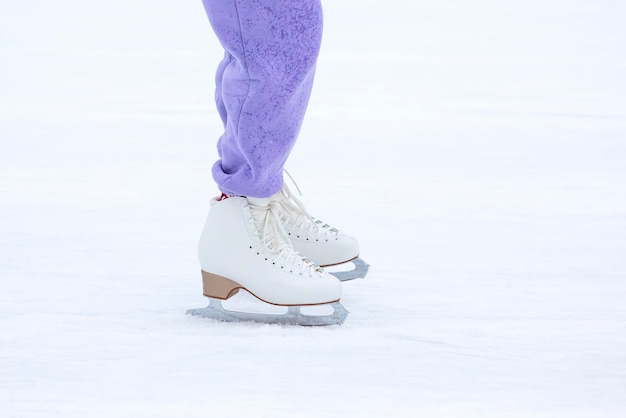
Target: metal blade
[(358, 272), (293, 316)]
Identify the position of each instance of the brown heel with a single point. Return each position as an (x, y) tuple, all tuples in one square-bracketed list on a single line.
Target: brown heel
[(218, 287)]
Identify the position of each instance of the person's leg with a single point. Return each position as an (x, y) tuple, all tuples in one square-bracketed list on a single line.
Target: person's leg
[(264, 87), (219, 75)]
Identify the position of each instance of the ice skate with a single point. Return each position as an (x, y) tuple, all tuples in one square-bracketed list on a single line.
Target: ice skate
[(244, 246), (324, 245)]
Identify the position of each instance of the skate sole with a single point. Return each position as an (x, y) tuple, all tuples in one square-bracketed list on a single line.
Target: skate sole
[(339, 263), (218, 287)]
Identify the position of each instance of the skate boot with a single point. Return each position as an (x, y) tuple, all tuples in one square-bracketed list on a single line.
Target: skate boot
[(244, 246), (318, 241)]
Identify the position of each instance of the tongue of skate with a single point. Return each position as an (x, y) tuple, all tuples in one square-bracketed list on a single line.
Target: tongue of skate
[(273, 236)]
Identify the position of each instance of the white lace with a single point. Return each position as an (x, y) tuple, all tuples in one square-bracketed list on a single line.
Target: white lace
[(297, 220), (273, 242)]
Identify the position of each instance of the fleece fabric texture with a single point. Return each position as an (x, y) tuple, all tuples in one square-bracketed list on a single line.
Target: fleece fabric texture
[(263, 86)]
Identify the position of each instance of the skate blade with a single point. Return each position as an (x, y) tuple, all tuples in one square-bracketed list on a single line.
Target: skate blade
[(358, 272), (293, 316)]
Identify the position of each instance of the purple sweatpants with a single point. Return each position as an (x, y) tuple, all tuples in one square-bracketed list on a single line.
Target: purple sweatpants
[(263, 86)]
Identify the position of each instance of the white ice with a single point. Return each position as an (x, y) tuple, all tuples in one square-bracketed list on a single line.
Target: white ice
[(477, 149)]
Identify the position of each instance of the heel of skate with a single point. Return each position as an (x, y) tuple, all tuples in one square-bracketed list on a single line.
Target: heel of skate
[(218, 287)]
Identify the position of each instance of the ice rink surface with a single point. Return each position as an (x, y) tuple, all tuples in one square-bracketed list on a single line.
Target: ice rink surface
[(477, 149)]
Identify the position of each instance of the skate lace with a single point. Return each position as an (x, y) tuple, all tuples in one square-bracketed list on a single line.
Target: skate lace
[(297, 218), (273, 243)]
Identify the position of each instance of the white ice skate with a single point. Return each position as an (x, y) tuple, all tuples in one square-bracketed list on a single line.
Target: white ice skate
[(318, 241), (244, 246)]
